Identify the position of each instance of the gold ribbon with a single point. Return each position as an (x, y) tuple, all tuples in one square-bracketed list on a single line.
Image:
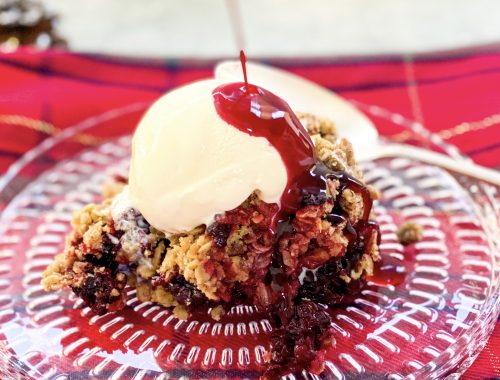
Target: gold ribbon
[(45, 127), (457, 130)]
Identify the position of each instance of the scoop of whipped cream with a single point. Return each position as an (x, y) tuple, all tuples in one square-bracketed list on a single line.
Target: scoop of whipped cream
[(189, 165)]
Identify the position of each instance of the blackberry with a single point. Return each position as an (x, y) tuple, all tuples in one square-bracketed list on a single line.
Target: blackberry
[(185, 293), (219, 232)]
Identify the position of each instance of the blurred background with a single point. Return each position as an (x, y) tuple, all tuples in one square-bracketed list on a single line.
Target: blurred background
[(264, 28)]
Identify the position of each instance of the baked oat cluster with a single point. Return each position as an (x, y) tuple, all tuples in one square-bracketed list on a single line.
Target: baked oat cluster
[(328, 245), (409, 233)]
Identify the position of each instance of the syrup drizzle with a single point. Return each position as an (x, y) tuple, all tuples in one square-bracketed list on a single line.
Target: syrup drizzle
[(243, 60), (260, 113)]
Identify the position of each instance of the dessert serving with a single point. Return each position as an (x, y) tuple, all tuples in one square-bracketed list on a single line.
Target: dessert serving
[(232, 198)]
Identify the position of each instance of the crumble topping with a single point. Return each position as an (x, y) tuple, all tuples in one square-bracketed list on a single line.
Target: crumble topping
[(337, 156), (147, 292), (190, 256), (365, 265), (92, 238), (163, 297), (88, 225), (335, 152), (372, 246), (181, 312), (352, 203), (313, 240), (409, 233), (54, 277), (236, 245), (217, 312), (88, 215), (318, 126)]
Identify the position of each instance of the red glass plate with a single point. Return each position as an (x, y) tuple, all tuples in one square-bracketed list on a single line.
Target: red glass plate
[(431, 325)]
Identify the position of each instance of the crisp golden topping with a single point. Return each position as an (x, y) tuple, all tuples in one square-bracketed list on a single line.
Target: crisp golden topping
[(365, 265), (145, 269), (188, 255), (409, 233), (89, 215), (145, 292), (92, 238), (352, 203), (217, 312), (318, 126), (54, 277), (163, 297), (337, 156), (181, 312), (336, 153)]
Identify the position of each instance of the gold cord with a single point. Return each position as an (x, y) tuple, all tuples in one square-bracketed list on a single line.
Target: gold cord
[(457, 130), (44, 127)]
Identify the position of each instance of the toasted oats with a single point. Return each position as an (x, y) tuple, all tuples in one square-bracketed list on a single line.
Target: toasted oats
[(409, 233)]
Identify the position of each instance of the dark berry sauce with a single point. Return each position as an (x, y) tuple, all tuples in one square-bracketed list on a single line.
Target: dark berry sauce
[(243, 60), (261, 113)]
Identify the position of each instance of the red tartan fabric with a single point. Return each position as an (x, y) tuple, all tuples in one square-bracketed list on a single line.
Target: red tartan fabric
[(455, 95)]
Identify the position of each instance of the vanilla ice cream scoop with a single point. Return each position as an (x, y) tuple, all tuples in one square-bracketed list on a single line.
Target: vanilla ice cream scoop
[(189, 165)]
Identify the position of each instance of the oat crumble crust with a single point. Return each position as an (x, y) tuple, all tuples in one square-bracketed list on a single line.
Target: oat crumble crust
[(217, 312), (86, 223), (353, 204), (188, 255), (337, 153)]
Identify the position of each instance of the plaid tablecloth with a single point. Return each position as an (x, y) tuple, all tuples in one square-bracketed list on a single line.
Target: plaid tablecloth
[(456, 95)]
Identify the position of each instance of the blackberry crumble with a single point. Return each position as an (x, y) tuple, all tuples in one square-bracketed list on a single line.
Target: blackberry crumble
[(292, 272)]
